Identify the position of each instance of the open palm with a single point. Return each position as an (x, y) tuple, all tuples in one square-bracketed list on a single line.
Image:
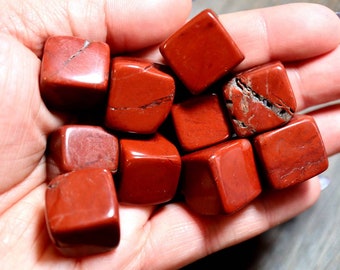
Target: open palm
[(151, 238)]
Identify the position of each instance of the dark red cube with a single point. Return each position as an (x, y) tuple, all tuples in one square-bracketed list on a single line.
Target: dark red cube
[(221, 179), (140, 96), (74, 73), (82, 212), (201, 52), (200, 122), (74, 147), (149, 170), (293, 153), (260, 99)]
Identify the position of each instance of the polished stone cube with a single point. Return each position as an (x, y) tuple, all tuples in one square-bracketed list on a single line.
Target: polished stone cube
[(149, 170), (82, 212), (260, 99), (74, 147), (221, 179), (291, 154), (140, 96), (201, 52), (74, 73), (200, 122)]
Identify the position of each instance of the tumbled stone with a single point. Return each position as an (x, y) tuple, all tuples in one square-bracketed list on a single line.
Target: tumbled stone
[(74, 73), (200, 122), (140, 96), (291, 154), (260, 99), (74, 147), (149, 170), (221, 179), (82, 212), (201, 52)]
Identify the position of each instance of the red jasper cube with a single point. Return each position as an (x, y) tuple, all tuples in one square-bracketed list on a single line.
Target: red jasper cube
[(200, 122), (82, 212), (149, 170), (74, 147), (293, 153), (220, 179), (74, 73), (140, 96), (201, 52), (260, 99)]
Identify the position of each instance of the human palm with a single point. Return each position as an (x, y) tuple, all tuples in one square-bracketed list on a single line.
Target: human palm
[(151, 237)]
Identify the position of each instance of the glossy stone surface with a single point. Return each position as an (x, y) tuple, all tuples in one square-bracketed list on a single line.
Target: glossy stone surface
[(82, 212), (149, 170), (140, 96), (73, 147), (200, 122), (201, 52), (74, 73), (291, 154), (260, 99), (220, 179)]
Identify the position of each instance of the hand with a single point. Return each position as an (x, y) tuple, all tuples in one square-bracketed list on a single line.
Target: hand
[(304, 35)]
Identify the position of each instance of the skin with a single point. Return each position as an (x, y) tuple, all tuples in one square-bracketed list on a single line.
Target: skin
[(151, 238)]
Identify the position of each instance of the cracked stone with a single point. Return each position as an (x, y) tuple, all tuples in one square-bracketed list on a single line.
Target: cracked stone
[(291, 154), (259, 99), (140, 96), (74, 73)]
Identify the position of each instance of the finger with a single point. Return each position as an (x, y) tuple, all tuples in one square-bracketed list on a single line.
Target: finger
[(143, 23), (125, 25), (328, 121), (189, 237), (287, 33), (316, 81)]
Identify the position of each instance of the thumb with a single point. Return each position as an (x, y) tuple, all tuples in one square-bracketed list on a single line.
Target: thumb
[(24, 120)]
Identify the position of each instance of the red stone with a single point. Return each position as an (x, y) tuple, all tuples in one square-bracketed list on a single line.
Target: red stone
[(82, 212), (73, 147), (293, 153), (140, 96), (201, 52), (260, 99), (149, 170), (74, 73), (200, 122), (220, 179)]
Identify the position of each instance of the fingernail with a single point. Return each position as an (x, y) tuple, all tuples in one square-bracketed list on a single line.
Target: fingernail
[(324, 182)]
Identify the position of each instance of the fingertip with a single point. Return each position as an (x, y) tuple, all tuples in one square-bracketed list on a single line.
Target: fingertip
[(328, 122), (301, 30), (290, 32)]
